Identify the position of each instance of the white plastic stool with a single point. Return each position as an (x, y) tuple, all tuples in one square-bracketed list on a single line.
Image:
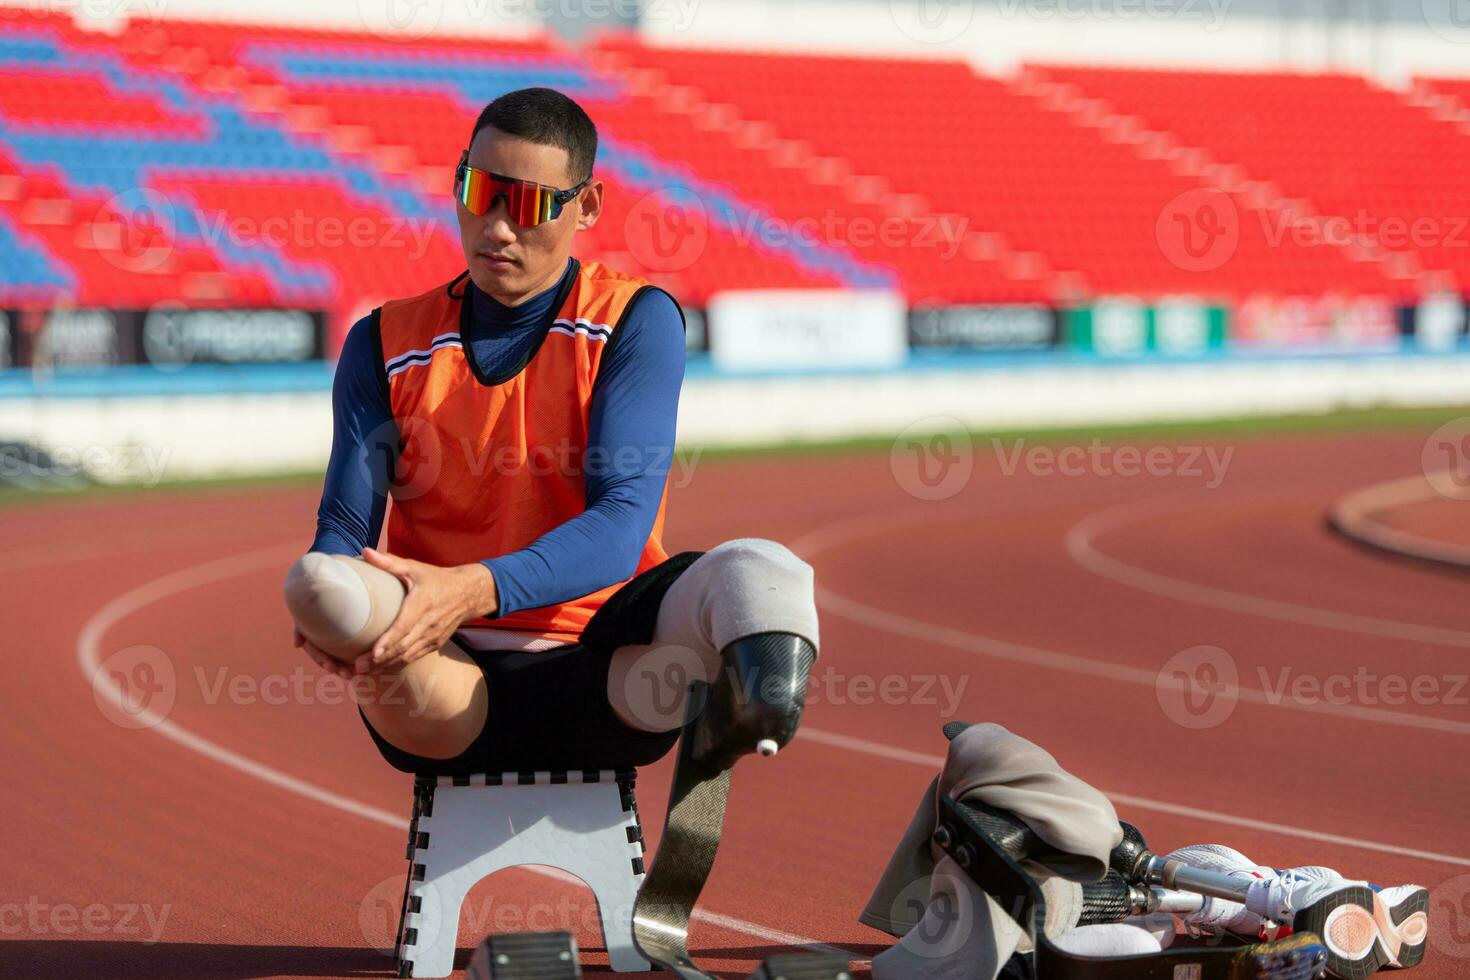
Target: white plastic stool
[(464, 828)]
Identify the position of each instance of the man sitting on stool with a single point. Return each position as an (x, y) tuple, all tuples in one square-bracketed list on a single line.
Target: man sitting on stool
[(522, 417)]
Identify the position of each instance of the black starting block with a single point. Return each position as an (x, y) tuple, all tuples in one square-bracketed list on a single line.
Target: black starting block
[(803, 966), (553, 956), (526, 956)]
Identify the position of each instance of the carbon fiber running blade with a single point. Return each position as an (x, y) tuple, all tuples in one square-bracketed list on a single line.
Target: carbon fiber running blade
[(681, 866)]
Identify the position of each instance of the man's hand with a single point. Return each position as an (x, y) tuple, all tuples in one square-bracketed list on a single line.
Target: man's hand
[(320, 657), (438, 601)]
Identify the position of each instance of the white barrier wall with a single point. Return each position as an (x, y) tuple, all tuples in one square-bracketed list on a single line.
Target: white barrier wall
[(1423, 36), (150, 439), (1427, 36)]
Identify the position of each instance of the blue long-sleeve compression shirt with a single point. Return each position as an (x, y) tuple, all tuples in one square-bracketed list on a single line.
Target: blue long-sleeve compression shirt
[(634, 405)]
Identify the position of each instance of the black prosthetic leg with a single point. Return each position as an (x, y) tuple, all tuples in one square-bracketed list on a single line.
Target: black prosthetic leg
[(753, 707), (756, 702)]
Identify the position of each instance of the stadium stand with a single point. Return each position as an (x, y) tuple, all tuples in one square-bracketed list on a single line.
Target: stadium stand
[(1320, 139), (168, 161), (1456, 88), (1046, 184)]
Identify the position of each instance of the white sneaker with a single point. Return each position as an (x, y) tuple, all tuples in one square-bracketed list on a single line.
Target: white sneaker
[(1401, 913), (1341, 912)]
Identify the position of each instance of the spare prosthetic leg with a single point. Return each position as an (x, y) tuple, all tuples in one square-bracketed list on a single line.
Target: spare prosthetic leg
[(1394, 936), (1341, 913), (989, 845)]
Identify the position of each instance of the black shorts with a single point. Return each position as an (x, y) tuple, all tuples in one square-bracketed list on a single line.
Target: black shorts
[(549, 710)]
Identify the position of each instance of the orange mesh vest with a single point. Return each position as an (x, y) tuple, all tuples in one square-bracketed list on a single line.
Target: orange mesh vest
[(488, 465)]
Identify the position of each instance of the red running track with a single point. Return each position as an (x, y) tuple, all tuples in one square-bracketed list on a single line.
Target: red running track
[(256, 833)]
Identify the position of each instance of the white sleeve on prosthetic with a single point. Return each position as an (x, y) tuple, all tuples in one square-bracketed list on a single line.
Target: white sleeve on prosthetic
[(341, 604)]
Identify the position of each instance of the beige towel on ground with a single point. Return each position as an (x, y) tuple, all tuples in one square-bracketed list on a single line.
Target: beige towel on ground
[(988, 764)]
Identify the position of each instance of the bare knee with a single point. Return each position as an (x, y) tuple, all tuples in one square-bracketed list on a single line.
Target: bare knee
[(434, 707)]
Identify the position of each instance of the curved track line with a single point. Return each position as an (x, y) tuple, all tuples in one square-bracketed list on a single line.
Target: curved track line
[(1080, 546), (842, 532), (1357, 517), (89, 659)]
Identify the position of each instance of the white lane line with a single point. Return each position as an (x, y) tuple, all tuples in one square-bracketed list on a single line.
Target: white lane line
[(863, 614), (1359, 516), (935, 762), (89, 658), (1302, 832), (775, 935), (1081, 546)]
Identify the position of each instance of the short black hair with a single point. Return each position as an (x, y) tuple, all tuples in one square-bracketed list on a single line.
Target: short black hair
[(547, 117)]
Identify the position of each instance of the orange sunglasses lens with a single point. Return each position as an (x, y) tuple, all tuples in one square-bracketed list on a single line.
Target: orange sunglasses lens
[(528, 203)]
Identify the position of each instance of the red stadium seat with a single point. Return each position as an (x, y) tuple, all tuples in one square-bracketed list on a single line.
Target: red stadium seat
[(954, 186)]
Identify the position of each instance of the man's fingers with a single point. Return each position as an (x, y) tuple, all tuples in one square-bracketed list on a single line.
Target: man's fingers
[(396, 656), (388, 563), (330, 663), (385, 643), (391, 643), (385, 655), (326, 661), (393, 636), (417, 645), (421, 649)]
